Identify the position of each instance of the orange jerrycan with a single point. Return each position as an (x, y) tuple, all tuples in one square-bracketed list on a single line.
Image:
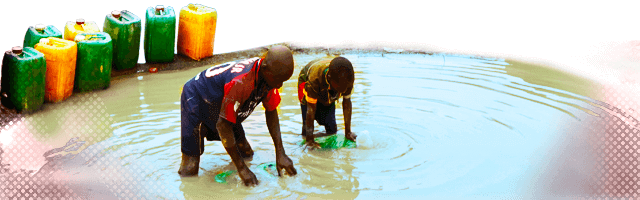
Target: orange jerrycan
[(61, 67), (79, 26), (196, 31)]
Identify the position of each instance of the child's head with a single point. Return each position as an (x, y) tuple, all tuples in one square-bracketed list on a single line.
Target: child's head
[(340, 75), (277, 66)]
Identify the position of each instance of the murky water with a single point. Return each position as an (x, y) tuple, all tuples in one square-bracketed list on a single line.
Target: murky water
[(434, 126)]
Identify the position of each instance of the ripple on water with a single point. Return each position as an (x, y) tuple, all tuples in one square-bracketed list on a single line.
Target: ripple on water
[(428, 125)]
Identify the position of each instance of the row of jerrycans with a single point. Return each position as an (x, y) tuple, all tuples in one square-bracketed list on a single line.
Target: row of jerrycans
[(52, 64), (51, 70), (196, 32)]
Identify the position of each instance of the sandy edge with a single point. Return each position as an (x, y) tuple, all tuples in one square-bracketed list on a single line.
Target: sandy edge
[(615, 65)]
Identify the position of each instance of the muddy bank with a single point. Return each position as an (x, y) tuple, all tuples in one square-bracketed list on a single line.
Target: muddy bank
[(182, 62)]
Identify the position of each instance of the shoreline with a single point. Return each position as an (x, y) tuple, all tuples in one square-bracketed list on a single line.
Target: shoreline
[(182, 62)]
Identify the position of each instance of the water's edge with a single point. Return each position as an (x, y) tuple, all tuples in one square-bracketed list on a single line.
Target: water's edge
[(182, 62)]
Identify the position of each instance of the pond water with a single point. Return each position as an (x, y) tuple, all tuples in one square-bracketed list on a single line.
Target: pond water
[(434, 126)]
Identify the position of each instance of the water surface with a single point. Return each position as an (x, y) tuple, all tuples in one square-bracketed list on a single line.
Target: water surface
[(434, 126)]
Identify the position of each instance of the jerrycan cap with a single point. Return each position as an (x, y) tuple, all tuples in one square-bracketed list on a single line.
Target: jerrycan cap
[(192, 7), (79, 21), (159, 8), (79, 38), (16, 50), (116, 14), (39, 27)]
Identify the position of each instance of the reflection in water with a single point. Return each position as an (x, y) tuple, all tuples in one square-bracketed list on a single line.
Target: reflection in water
[(470, 127)]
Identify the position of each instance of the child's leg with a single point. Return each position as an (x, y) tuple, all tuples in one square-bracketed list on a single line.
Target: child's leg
[(326, 116), (241, 141)]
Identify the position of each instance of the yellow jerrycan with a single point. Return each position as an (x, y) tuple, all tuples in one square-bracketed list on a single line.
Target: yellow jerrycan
[(196, 31), (60, 56)]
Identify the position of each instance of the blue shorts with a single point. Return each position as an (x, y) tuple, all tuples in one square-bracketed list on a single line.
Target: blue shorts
[(325, 115), (198, 121)]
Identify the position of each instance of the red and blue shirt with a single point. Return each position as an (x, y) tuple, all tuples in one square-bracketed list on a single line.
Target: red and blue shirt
[(234, 89)]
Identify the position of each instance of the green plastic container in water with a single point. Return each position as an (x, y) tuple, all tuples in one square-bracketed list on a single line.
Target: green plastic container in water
[(23, 79), (124, 28), (93, 65), (39, 31), (159, 34), (333, 142)]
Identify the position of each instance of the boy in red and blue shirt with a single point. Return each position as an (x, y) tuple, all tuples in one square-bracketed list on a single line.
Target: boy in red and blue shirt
[(216, 101)]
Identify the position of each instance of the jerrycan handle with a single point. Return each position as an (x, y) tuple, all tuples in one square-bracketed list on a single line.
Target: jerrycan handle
[(44, 41), (79, 38)]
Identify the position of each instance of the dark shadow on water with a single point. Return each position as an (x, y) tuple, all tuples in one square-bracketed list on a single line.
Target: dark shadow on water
[(555, 78)]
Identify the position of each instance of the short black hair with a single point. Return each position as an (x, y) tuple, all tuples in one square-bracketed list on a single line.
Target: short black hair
[(341, 70)]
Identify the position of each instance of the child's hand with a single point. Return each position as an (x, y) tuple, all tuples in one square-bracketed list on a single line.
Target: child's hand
[(351, 136), (312, 144), (284, 163)]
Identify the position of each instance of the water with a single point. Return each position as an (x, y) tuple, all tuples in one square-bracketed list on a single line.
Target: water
[(434, 126)]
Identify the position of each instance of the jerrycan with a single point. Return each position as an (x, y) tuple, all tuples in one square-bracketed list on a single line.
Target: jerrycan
[(39, 31), (23, 79), (80, 26), (125, 29), (159, 34), (196, 31), (61, 67), (93, 64)]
